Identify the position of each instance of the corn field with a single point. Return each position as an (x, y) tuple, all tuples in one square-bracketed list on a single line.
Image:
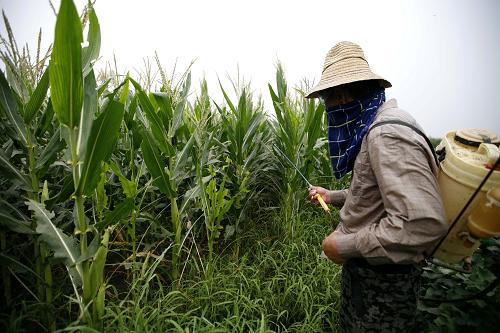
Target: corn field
[(126, 209), (111, 192)]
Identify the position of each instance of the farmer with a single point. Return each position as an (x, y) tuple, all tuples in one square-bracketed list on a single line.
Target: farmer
[(392, 213)]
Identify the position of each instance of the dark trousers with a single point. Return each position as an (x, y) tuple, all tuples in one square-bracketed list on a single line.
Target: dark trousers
[(378, 298)]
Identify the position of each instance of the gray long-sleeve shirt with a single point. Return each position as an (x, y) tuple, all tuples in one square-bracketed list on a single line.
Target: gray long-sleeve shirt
[(392, 211)]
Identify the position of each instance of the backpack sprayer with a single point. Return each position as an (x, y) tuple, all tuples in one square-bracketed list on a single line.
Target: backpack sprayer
[(469, 179)]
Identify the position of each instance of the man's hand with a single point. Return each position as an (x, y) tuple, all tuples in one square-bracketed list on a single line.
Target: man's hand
[(313, 190), (330, 248)]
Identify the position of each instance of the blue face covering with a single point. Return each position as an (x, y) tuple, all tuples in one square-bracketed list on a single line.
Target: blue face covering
[(347, 125)]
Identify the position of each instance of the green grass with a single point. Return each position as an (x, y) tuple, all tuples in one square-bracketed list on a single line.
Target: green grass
[(277, 285)]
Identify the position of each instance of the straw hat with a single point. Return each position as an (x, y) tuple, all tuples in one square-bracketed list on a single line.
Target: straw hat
[(345, 63)]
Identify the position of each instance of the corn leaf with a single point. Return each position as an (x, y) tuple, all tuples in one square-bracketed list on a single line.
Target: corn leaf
[(91, 249), (99, 300), (91, 52), (130, 114), (312, 124), (121, 211), (46, 120), (228, 100), (17, 80), (100, 197), (252, 129), (9, 169), (111, 95), (97, 266), (182, 159), (281, 82), (64, 246), (37, 98), (13, 209), (124, 91), (129, 187), (64, 194), (177, 119), (156, 165), (14, 224), (164, 102), (7, 261), (103, 136), (65, 68), (88, 114), (10, 108), (102, 87), (179, 109), (154, 121), (49, 153)]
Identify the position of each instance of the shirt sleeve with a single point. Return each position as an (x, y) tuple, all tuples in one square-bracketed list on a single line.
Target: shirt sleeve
[(337, 197), (414, 216)]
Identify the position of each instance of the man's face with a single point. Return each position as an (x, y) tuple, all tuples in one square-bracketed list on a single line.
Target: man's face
[(337, 96), (348, 92)]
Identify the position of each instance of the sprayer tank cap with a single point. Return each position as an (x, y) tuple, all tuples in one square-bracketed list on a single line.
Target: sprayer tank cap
[(476, 136)]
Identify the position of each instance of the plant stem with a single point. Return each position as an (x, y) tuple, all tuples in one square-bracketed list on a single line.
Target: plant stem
[(210, 234), (134, 245), (48, 283), (80, 218), (41, 252), (82, 224), (38, 269), (33, 194), (32, 170), (79, 199), (175, 226)]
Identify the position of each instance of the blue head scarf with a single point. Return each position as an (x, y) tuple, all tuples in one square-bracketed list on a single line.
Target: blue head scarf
[(347, 125)]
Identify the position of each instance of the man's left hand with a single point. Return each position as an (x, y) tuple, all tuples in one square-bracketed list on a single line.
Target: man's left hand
[(330, 248)]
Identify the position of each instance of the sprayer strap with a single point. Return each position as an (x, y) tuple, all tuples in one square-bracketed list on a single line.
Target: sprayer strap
[(399, 122)]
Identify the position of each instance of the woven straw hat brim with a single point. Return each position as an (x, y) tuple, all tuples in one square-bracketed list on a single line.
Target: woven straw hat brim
[(345, 70)]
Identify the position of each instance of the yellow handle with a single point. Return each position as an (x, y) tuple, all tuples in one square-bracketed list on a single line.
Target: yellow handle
[(322, 202)]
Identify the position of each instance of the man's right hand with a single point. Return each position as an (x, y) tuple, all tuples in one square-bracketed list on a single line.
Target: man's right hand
[(313, 190)]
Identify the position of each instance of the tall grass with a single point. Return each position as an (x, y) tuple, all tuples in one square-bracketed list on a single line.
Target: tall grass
[(267, 290)]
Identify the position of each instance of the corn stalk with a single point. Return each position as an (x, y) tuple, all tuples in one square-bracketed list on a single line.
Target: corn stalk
[(243, 139), (166, 151), (22, 114), (215, 205), (299, 132), (90, 143)]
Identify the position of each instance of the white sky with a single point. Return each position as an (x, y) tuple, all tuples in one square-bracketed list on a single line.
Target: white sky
[(442, 56)]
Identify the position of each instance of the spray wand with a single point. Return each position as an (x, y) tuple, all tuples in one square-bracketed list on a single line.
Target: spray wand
[(317, 196)]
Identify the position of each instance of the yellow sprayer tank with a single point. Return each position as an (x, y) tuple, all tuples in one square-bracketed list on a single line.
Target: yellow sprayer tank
[(484, 221), (468, 157)]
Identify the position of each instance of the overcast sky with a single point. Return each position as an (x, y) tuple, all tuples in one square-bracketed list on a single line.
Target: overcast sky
[(442, 57)]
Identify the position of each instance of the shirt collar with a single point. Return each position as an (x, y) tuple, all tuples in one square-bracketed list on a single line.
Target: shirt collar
[(390, 104)]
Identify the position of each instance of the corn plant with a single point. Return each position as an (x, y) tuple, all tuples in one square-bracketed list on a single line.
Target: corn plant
[(166, 147), (35, 168), (215, 205), (29, 146), (244, 138), (90, 141), (299, 132)]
